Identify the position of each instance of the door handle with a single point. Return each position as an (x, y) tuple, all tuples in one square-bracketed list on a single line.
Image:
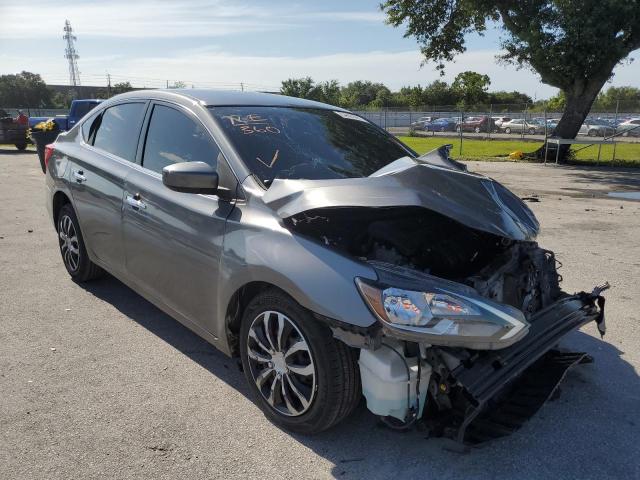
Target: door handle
[(135, 202), (78, 175)]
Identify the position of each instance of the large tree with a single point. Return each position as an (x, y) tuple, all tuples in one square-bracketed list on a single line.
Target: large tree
[(24, 89), (362, 93), (471, 87), (573, 45), (327, 92)]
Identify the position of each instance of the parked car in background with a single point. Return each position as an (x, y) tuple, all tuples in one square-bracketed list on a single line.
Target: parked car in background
[(596, 128), (324, 253), (422, 122), (442, 125), (630, 127), (476, 124), (552, 123), (498, 121), (13, 130), (79, 108), (520, 125)]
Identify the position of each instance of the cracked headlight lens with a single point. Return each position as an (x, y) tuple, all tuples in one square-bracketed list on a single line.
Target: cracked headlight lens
[(443, 317)]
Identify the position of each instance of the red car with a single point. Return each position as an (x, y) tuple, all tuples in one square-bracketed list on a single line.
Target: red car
[(477, 124)]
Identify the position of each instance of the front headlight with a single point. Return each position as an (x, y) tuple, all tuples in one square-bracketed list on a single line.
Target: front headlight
[(444, 317)]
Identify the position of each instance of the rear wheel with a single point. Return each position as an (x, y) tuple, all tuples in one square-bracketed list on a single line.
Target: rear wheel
[(532, 131), (21, 145), (507, 130), (72, 248), (301, 377)]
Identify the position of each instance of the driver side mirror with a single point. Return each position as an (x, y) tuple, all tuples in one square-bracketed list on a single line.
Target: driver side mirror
[(191, 177)]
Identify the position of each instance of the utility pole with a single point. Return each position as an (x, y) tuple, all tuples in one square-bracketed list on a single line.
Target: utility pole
[(241, 86), (615, 131), (71, 54), (108, 85)]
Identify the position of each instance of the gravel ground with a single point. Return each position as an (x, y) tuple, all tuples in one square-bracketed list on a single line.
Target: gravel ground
[(97, 383)]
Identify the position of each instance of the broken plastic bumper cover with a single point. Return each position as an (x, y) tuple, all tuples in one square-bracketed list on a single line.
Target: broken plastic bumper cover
[(506, 387)]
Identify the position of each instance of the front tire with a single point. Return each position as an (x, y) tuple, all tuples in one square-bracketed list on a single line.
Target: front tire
[(72, 248), (302, 378)]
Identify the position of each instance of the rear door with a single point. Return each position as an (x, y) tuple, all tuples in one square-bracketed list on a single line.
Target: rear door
[(97, 174), (173, 240)]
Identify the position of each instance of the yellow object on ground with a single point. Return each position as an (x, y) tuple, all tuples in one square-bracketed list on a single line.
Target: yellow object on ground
[(517, 155)]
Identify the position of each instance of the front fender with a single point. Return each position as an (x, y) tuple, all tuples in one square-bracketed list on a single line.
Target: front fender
[(318, 278)]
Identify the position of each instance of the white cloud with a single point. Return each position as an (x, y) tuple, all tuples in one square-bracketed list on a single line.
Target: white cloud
[(153, 19)]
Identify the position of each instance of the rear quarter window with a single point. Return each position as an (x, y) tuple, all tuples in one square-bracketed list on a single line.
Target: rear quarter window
[(87, 130)]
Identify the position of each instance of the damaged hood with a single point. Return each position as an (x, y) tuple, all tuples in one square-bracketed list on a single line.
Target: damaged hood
[(432, 181)]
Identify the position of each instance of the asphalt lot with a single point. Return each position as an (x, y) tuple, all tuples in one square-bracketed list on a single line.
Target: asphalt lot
[(97, 383)]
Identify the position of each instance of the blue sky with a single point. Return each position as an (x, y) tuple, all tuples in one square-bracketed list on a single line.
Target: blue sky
[(220, 43)]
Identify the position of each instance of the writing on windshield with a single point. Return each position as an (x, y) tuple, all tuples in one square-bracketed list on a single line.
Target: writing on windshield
[(306, 143)]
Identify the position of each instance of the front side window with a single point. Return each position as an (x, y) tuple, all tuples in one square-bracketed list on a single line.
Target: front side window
[(118, 128), (174, 138), (309, 143)]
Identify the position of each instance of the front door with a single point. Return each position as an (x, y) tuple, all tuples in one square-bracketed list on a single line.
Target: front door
[(173, 241)]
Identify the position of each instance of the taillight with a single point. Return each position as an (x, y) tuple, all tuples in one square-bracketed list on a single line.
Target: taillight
[(48, 151)]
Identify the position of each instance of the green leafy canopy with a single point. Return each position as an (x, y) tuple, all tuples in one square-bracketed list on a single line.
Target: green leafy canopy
[(567, 42)]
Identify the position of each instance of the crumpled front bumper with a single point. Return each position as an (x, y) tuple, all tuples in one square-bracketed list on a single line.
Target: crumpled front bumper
[(494, 372)]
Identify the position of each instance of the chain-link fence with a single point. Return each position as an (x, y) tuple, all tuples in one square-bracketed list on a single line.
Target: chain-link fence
[(35, 112), (523, 122), (500, 121)]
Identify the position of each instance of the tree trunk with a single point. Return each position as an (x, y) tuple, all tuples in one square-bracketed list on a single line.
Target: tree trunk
[(579, 100)]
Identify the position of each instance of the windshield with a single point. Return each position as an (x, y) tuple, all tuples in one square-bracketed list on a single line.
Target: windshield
[(306, 143)]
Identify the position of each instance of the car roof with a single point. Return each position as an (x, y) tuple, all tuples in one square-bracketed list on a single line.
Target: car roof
[(220, 98)]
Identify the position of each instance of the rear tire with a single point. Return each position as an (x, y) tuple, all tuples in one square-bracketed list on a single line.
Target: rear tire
[(21, 146), (309, 402), (72, 248), (507, 130)]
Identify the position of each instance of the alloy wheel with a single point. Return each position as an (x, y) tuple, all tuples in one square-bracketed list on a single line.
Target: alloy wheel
[(69, 247), (281, 363)]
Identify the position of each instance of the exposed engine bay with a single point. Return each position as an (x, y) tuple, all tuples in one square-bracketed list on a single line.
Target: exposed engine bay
[(450, 388), (469, 307), (516, 273)]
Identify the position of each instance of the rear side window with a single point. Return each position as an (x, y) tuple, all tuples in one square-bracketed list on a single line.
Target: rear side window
[(174, 138), (89, 128), (118, 128)]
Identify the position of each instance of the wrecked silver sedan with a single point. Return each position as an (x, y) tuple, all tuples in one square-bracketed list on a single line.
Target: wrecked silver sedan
[(330, 257)]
